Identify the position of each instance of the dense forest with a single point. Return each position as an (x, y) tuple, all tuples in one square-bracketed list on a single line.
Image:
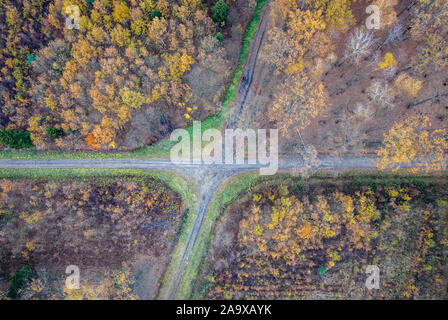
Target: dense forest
[(106, 74)]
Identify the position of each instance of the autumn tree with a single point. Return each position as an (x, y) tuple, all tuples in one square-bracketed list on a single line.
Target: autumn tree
[(412, 143), (296, 35), (297, 101), (430, 26), (409, 84), (337, 13), (121, 11)]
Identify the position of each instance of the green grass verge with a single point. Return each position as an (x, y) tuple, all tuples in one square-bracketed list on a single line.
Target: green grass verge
[(190, 195), (162, 149), (176, 254)]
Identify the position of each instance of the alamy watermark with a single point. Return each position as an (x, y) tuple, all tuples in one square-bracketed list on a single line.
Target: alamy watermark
[(373, 280), (72, 21), (72, 281), (192, 151), (374, 20)]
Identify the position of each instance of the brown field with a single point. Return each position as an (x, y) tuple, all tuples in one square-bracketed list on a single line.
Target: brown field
[(119, 230)]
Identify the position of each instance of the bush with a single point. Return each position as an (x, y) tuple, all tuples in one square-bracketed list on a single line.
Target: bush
[(16, 139), (54, 133), (20, 278), (219, 37), (156, 13), (219, 12)]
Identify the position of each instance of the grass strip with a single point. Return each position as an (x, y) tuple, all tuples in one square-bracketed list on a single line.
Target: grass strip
[(176, 182), (225, 195)]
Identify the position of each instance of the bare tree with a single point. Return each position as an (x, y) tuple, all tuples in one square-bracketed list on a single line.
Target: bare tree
[(395, 34), (359, 45), (363, 111), (381, 94)]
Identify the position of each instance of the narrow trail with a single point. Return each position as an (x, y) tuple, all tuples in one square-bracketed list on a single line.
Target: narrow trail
[(207, 194), (248, 76)]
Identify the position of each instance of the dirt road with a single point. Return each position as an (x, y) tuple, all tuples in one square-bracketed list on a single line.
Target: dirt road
[(248, 76)]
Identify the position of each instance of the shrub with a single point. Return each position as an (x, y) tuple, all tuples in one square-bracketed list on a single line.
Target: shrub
[(20, 278), (219, 37), (156, 13), (219, 12), (16, 139), (30, 58), (54, 133)]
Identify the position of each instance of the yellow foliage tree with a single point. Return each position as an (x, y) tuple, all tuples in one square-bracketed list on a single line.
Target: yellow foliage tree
[(303, 25), (296, 102), (156, 30), (120, 36), (131, 98), (412, 143), (410, 84), (387, 62), (121, 11), (175, 66), (337, 13)]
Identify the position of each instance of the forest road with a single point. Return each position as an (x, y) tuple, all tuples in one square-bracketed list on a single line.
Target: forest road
[(248, 76)]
